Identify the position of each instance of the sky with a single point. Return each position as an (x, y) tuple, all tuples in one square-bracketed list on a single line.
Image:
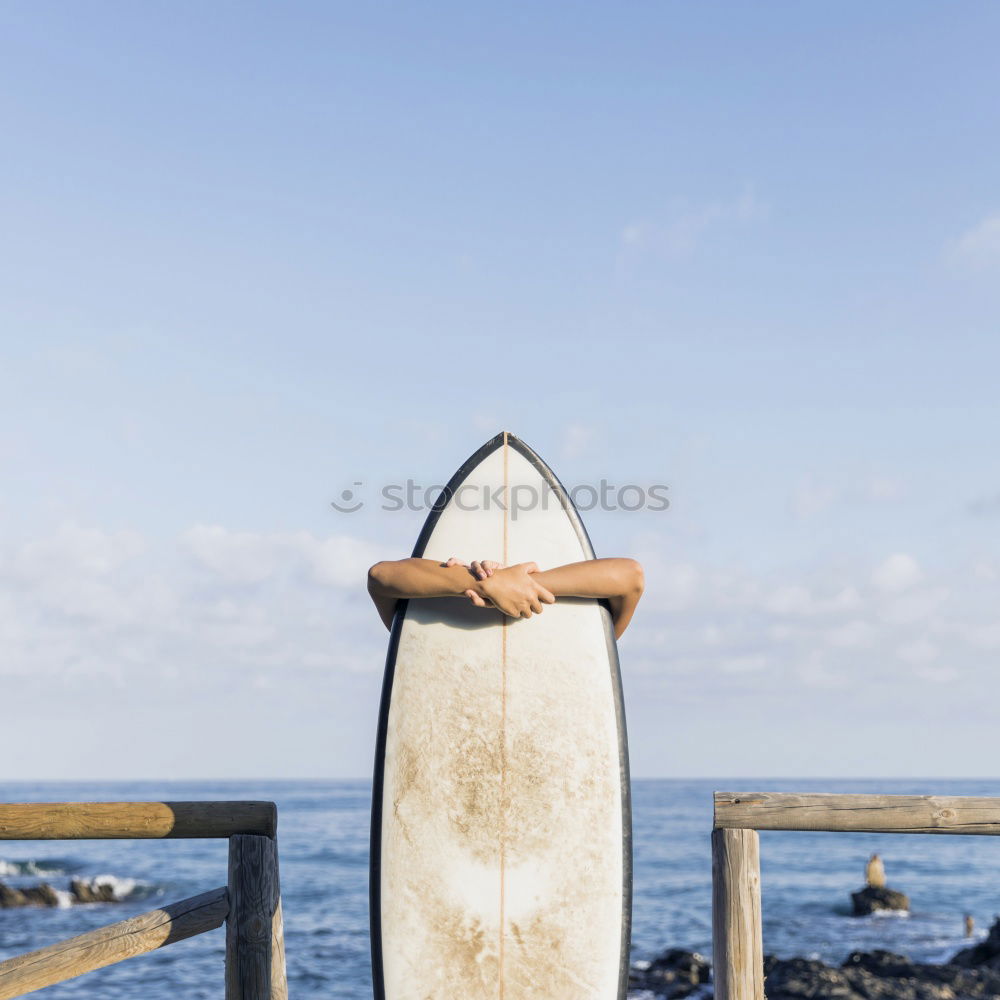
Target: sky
[(253, 255)]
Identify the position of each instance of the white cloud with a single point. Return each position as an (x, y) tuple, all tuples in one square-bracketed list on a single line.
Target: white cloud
[(241, 557), (852, 634), (789, 600), (981, 636), (284, 614), (918, 651), (338, 561), (674, 585), (914, 606), (815, 495), (711, 635), (896, 573), (986, 506), (85, 602), (798, 599), (781, 633), (748, 664), (811, 497), (845, 599), (74, 549), (978, 248), (679, 233), (881, 487), (247, 557), (937, 675), (813, 672), (898, 632)]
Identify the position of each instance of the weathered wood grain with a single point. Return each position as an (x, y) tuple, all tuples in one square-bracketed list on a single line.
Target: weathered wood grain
[(857, 813), (139, 820), (737, 939), (255, 947), (111, 944)]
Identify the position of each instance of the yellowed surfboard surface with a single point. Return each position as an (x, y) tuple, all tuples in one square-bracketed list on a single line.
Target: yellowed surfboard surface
[(501, 836)]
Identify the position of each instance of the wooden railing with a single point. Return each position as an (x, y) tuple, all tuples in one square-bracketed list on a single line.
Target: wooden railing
[(736, 913), (250, 903)]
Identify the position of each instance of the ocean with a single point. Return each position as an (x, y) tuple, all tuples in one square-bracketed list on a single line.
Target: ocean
[(323, 844)]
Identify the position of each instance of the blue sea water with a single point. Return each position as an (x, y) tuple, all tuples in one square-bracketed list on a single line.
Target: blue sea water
[(323, 842)]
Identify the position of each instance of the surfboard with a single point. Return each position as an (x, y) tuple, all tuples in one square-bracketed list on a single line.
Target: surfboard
[(501, 862)]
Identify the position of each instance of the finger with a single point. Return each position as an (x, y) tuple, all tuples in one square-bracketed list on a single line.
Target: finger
[(478, 570), (536, 606), (546, 596), (530, 567), (490, 565), (452, 561), (475, 598)]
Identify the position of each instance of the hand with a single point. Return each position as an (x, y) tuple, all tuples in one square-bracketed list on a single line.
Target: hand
[(483, 569), (455, 561), (512, 591), (480, 569)]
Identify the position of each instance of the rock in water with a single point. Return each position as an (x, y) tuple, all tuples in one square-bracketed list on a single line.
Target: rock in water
[(802, 978), (878, 975), (11, 897), (871, 899), (43, 894), (973, 974), (92, 892), (36, 895), (673, 974), (80, 891), (986, 953)]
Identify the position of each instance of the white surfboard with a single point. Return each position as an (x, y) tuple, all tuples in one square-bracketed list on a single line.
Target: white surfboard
[(501, 825)]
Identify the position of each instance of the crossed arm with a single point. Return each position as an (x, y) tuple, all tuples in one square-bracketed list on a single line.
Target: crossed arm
[(518, 591)]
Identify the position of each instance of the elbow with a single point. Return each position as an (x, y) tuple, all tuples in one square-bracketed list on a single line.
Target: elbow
[(378, 578), (635, 577)]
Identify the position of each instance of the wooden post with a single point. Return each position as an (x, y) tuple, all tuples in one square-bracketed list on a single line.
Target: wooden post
[(255, 944), (737, 941)]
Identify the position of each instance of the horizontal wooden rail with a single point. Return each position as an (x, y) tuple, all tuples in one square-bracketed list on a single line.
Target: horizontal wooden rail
[(138, 820), (857, 813), (113, 943)]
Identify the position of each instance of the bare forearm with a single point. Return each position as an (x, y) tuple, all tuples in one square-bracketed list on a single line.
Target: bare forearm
[(406, 578), (392, 581), (593, 578), (620, 581)]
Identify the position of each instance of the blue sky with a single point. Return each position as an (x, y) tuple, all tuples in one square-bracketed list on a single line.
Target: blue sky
[(252, 254)]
